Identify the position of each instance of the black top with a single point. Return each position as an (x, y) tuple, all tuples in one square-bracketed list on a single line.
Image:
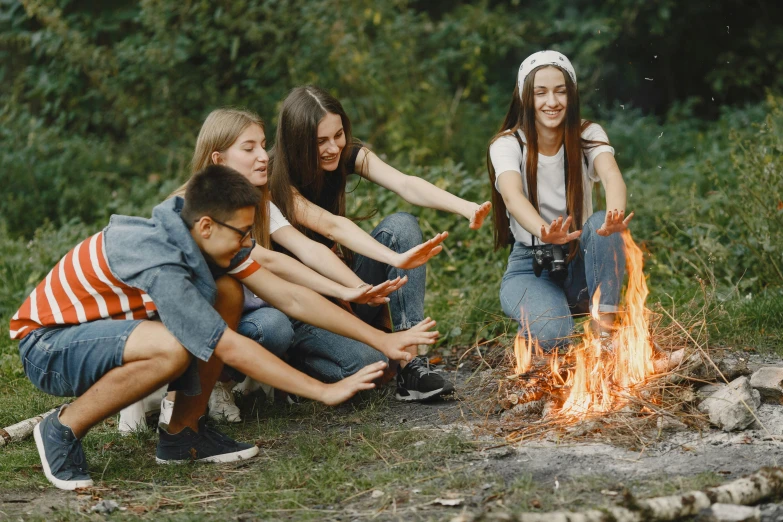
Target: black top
[(334, 184)]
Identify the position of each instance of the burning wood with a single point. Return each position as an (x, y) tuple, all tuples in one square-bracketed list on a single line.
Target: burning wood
[(597, 373)]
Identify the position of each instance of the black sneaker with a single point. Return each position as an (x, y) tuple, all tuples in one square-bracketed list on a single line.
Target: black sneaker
[(417, 382), (61, 453), (208, 445)]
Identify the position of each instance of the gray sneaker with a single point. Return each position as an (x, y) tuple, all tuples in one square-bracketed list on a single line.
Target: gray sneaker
[(419, 382), (61, 454)]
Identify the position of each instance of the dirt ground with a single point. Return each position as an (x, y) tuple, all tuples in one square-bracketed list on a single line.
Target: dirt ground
[(546, 463)]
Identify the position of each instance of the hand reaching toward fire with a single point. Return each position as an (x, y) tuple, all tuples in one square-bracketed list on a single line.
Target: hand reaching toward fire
[(615, 222), (557, 232)]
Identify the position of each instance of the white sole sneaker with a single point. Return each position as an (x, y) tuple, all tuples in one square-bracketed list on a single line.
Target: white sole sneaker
[(216, 459), (67, 485)]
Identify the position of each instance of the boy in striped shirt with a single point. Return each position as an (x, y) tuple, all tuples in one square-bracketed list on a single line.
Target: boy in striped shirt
[(152, 301)]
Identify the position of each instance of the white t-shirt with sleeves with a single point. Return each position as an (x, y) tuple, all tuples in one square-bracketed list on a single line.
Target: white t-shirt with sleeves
[(506, 156), (276, 219)]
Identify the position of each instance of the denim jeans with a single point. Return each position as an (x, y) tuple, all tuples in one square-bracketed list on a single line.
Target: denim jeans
[(331, 357), (270, 328), (549, 304), (66, 361)]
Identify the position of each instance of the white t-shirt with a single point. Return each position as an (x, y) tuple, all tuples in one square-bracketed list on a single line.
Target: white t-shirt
[(276, 221), (506, 155)]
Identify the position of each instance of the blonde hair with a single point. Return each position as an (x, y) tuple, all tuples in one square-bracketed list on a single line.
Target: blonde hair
[(219, 131)]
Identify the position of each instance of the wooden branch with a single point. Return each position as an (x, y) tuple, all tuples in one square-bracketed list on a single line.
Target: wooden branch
[(20, 430), (745, 491)]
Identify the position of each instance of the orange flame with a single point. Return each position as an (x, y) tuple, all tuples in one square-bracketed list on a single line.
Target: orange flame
[(602, 364)]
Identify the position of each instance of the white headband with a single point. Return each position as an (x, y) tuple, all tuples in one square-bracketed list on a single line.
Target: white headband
[(544, 58)]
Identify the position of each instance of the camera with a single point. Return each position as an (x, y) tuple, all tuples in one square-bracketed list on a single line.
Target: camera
[(551, 258)]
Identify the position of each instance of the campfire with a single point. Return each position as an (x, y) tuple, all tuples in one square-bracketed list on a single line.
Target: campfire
[(598, 373)]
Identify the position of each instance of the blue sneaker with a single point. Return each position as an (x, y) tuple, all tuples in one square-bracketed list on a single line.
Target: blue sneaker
[(61, 453), (208, 445)]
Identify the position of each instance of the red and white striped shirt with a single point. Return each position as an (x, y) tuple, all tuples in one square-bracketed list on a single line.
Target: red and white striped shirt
[(81, 288)]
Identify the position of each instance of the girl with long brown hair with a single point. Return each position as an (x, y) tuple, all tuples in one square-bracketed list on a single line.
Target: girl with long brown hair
[(542, 165), (313, 155), (236, 138)]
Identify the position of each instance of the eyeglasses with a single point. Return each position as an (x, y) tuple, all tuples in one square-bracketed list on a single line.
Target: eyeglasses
[(244, 234)]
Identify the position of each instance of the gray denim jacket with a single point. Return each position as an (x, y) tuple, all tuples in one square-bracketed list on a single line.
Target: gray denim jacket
[(160, 257)]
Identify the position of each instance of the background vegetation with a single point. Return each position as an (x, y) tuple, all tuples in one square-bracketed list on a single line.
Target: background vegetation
[(100, 104)]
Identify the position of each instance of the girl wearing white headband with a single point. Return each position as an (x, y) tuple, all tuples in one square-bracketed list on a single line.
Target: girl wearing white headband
[(542, 165)]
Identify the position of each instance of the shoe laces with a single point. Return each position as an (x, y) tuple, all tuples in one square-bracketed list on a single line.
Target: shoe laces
[(75, 454), (223, 395), (419, 365)]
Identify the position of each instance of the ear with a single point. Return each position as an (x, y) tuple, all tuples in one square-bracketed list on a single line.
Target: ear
[(216, 158), (204, 227)]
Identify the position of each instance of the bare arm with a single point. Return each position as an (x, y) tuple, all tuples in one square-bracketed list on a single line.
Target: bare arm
[(527, 216), (293, 271), (347, 233), (307, 306), (317, 256), (257, 362), (418, 191), (614, 186)]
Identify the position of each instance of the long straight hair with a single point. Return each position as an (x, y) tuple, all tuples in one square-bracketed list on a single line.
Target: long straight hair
[(219, 131), (295, 161), (522, 115)]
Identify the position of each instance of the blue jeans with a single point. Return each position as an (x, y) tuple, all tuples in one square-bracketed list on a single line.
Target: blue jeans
[(331, 357), (548, 304), (270, 328)]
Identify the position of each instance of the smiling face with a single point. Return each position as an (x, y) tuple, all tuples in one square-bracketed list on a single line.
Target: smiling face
[(331, 141), (221, 242), (247, 155), (549, 97)]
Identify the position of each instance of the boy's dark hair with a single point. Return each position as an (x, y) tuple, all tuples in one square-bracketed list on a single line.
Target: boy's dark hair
[(217, 191)]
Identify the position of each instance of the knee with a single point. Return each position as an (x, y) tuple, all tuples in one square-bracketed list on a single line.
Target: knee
[(405, 229), (230, 299), (270, 328), (548, 332), (173, 359)]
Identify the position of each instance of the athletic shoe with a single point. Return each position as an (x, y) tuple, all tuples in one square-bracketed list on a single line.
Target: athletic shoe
[(418, 382), (132, 418), (208, 445), (166, 409), (221, 403), (61, 453)]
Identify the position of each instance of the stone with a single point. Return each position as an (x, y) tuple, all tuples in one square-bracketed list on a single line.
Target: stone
[(771, 513), (729, 513), (733, 407), (769, 382), (708, 390), (733, 366)]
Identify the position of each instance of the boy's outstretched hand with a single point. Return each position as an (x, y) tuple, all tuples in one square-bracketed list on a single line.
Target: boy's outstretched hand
[(419, 254), (615, 222), (393, 345), (343, 390), (479, 215)]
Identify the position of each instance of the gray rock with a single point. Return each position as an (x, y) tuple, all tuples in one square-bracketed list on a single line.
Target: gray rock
[(733, 366), (769, 382), (733, 407), (729, 513), (771, 513), (709, 390)]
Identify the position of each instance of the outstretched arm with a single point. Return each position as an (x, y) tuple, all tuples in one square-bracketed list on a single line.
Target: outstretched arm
[(307, 306), (418, 191), (525, 213), (319, 258), (614, 186), (347, 233)]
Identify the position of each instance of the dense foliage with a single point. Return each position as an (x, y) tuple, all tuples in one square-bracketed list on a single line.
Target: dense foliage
[(100, 104)]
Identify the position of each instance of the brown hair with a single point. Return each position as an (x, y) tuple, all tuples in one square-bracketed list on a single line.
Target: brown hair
[(219, 131), (521, 115), (294, 162)]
